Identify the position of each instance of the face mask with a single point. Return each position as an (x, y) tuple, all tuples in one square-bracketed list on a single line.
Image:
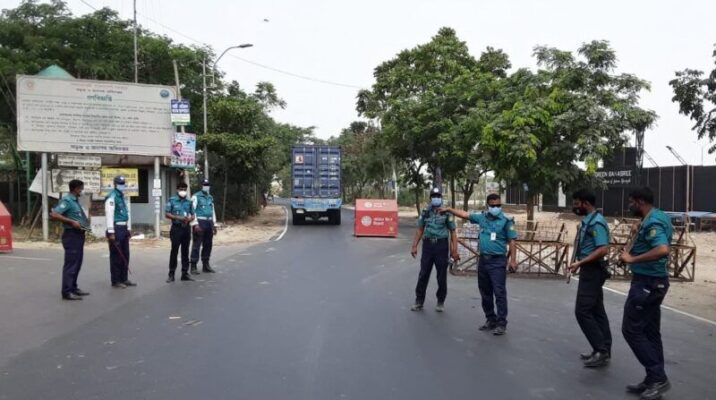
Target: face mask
[(121, 187), (579, 211), (494, 211), (82, 192), (436, 202), (206, 188), (635, 211), (182, 193)]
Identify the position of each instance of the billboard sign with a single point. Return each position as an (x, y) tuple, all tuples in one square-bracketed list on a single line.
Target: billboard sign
[(131, 176), (618, 178), (61, 180), (72, 160), (184, 150), (180, 112), (100, 117)]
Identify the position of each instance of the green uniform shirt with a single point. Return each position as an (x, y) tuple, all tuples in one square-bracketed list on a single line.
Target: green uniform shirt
[(501, 226), (593, 234), (655, 231), (204, 205), (70, 207), (179, 206), (437, 226)]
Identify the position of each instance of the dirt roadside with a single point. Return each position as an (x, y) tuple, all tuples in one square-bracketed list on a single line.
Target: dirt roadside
[(256, 229)]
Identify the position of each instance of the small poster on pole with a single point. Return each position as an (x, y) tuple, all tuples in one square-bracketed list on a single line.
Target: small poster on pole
[(180, 113), (184, 150)]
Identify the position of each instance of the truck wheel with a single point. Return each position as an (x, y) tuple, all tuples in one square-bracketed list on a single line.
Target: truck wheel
[(336, 218), (298, 219)]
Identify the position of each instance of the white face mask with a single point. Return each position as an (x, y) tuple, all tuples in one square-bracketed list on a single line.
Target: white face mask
[(206, 188), (121, 187), (182, 193)]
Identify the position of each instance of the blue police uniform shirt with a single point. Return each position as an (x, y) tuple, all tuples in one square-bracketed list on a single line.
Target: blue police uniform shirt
[(70, 207), (121, 213), (593, 234), (503, 228), (655, 231), (179, 206), (437, 226), (204, 205)]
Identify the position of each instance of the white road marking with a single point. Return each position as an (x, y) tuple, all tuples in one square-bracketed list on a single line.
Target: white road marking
[(285, 226)]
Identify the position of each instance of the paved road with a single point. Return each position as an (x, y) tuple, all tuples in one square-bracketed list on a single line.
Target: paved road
[(324, 315)]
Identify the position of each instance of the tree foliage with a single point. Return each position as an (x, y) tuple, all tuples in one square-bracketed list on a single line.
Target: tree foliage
[(696, 96)]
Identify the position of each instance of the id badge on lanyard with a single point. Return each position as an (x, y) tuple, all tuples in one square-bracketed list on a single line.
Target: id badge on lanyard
[(493, 236)]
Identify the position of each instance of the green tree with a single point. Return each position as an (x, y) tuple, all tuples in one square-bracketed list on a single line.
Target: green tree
[(572, 109), (696, 96)]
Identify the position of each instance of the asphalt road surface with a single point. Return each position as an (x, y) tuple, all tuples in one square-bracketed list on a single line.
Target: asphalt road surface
[(321, 314)]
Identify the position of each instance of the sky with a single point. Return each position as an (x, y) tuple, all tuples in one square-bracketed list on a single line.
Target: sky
[(319, 53)]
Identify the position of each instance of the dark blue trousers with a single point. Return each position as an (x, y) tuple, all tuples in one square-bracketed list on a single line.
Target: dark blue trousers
[(589, 307), (203, 240), (434, 253), (180, 236), (641, 325), (119, 255), (492, 282), (73, 241)]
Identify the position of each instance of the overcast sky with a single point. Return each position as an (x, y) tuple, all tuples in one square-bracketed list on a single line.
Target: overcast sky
[(341, 42)]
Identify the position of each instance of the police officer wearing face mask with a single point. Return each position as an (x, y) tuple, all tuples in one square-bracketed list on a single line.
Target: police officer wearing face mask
[(70, 213), (591, 250), (497, 232), (180, 211), (648, 260), (203, 227), (437, 231), (117, 215)]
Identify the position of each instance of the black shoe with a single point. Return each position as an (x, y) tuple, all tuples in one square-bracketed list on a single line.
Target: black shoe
[(499, 331), (655, 390), (416, 307), (207, 269), (79, 292), (187, 277), (194, 271), (597, 360), (489, 326), (170, 279), (71, 296), (119, 286), (129, 283), (638, 388)]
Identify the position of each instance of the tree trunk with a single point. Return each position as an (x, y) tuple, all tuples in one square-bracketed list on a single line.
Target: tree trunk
[(226, 189), (467, 192), (452, 192), (417, 199), (530, 210)]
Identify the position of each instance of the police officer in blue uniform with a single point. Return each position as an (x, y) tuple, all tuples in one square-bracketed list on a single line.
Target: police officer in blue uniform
[(437, 231), (117, 214), (497, 232), (74, 219), (591, 250), (203, 227), (648, 260), (181, 213)]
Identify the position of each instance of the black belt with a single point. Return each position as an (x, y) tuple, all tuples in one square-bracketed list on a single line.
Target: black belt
[(492, 256), (435, 240)]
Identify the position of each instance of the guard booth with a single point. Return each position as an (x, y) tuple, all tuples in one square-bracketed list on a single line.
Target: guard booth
[(5, 230), (376, 218)]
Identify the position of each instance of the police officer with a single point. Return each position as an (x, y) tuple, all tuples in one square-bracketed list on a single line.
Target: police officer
[(648, 259), (117, 214), (497, 231), (75, 222), (180, 212), (591, 250), (203, 227), (439, 242)]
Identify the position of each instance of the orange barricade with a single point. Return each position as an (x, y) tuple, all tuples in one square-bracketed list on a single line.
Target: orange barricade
[(376, 218)]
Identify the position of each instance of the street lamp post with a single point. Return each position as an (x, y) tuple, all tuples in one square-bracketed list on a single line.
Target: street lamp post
[(204, 92)]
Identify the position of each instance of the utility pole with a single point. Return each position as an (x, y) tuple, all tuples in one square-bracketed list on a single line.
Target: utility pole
[(206, 150), (136, 62)]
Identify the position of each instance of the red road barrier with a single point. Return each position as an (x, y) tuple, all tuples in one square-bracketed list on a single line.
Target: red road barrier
[(376, 218), (5, 230)]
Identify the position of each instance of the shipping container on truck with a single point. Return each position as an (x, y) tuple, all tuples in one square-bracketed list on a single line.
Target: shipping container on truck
[(316, 183)]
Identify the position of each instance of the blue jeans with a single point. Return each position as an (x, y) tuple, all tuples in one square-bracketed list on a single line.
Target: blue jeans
[(492, 282), (73, 241), (641, 325)]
